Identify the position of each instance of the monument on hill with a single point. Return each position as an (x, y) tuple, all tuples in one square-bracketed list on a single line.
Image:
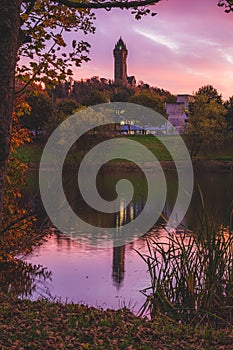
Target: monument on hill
[(120, 53)]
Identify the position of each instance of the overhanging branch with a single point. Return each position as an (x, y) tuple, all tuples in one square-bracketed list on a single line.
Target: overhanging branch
[(107, 4), (227, 4)]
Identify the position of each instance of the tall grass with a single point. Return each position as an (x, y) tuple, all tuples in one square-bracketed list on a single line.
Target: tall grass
[(191, 276)]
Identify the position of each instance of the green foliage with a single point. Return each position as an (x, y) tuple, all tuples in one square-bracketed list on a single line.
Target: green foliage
[(229, 115), (121, 94), (95, 97), (150, 100), (62, 110), (206, 123), (41, 109), (82, 88), (30, 152), (43, 26), (66, 106), (97, 90), (210, 93)]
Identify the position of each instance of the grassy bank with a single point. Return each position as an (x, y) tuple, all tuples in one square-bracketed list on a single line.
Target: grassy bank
[(32, 152), (45, 325)]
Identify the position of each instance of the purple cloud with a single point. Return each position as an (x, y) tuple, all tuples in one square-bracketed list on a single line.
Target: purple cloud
[(188, 44)]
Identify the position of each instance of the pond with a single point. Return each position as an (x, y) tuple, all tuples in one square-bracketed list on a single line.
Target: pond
[(113, 277)]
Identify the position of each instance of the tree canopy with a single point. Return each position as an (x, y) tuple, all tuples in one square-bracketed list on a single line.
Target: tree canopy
[(210, 93), (206, 123), (150, 100), (229, 116), (41, 109)]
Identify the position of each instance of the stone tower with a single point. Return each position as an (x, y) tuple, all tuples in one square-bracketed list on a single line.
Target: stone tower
[(120, 53)]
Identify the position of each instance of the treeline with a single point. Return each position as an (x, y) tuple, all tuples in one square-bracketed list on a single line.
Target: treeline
[(51, 106), (210, 118)]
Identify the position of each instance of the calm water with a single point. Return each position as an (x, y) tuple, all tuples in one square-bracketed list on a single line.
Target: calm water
[(113, 277)]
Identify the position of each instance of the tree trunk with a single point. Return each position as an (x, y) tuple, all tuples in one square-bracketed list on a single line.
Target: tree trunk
[(9, 43)]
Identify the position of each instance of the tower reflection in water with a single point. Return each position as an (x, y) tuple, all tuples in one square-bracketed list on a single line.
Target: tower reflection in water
[(118, 266), (125, 215)]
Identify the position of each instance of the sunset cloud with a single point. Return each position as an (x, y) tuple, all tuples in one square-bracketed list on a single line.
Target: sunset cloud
[(160, 39), (186, 45)]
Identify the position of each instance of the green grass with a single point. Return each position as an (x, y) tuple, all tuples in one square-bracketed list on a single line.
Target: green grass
[(51, 325), (31, 153), (223, 152), (154, 145)]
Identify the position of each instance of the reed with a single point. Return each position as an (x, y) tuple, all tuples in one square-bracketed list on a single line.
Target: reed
[(191, 276)]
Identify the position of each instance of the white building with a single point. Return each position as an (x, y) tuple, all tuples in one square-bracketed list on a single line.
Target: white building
[(178, 112)]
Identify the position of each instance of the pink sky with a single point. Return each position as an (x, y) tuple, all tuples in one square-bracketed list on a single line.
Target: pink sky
[(188, 44)]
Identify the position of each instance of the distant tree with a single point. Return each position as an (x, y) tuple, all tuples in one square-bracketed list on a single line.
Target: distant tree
[(81, 89), (122, 94), (164, 94), (58, 92), (95, 97), (229, 115), (206, 123), (150, 100), (66, 106), (143, 86), (170, 98), (61, 111), (41, 109), (210, 93), (55, 119)]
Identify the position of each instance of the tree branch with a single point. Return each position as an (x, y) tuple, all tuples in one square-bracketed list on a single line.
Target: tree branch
[(12, 224), (18, 92), (227, 4), (30, 7), (106, 5)]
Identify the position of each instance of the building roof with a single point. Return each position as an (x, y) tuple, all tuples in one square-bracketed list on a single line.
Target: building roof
[(128, 127)]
